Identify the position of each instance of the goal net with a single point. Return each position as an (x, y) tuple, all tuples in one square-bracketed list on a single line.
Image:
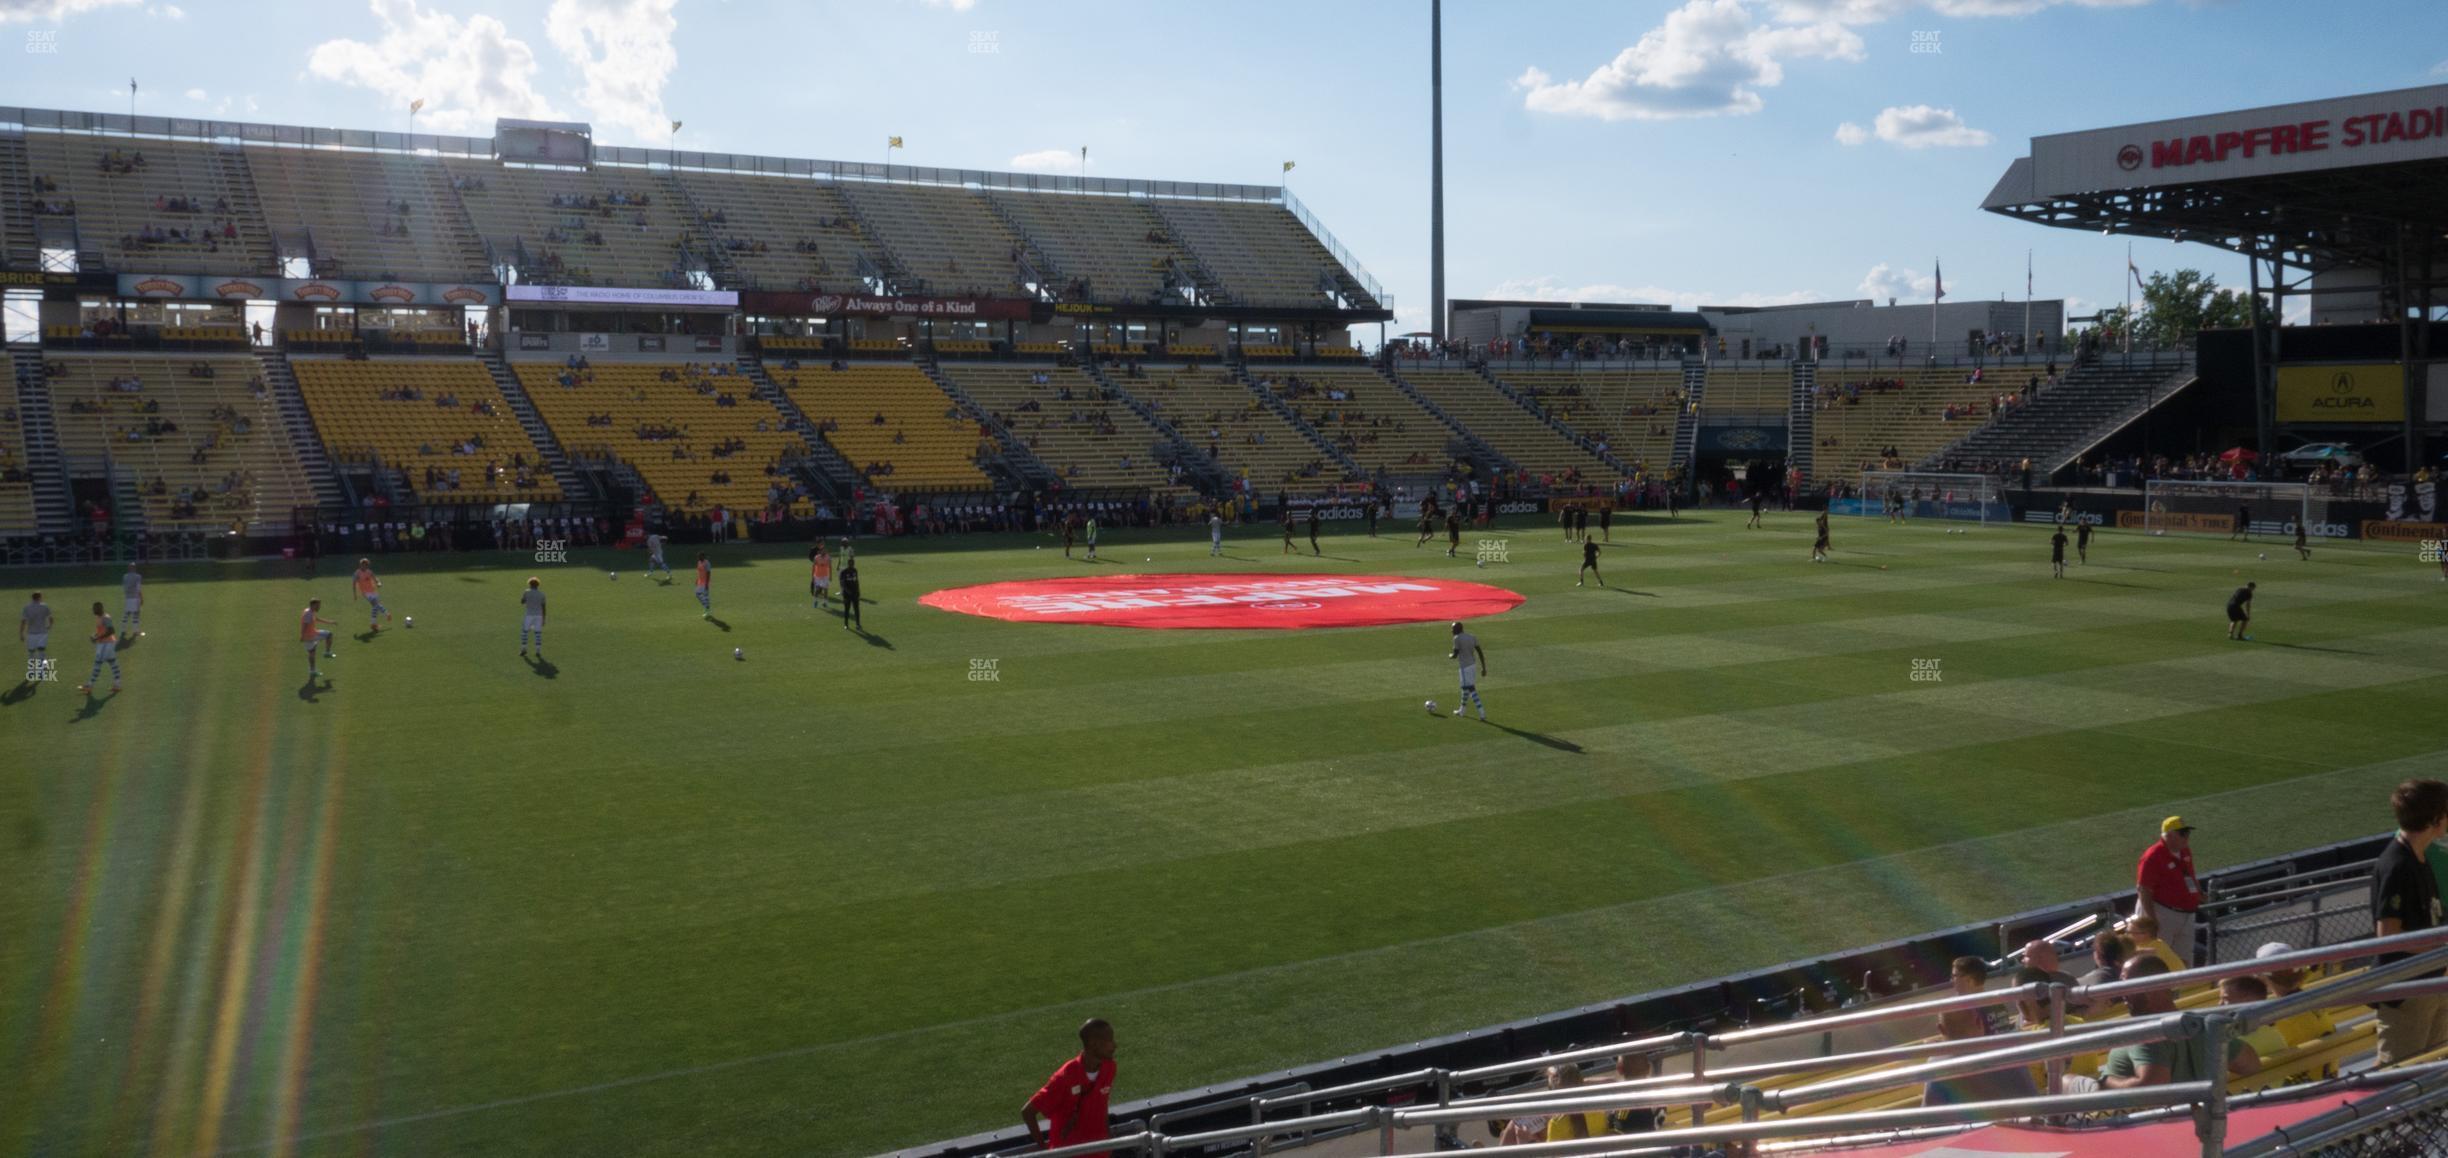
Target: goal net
[(2202, 507), (1914, 494)]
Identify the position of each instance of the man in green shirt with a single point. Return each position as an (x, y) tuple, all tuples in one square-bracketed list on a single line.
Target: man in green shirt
[(2158, 1063)]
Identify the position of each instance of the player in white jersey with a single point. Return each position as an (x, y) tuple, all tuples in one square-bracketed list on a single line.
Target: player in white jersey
[(654, 555), (1092, 538), (34, 630), (131, 586), (1466, 649), (531, 622), (1215, 532), (313, 631)]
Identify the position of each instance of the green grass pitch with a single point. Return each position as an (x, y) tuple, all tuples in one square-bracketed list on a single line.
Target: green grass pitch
[(839, 897)]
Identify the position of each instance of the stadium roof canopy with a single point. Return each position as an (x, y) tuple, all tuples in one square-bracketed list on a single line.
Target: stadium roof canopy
[(2350, 181)]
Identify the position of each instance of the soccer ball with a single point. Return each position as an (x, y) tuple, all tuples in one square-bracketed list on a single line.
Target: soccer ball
[(408, 622), (2265, 556), (616, 576), (1432, 707), (1481, 563), (1147, 558), (735, 654), (2158, 532)]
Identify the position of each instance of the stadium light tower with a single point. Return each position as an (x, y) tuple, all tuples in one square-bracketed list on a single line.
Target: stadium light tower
[(1436, 170)]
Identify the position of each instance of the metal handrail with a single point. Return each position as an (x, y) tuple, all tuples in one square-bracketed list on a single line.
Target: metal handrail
[(1372, 1085), (2131, 1032), (2403, 942), (2250, 899), (1652, 1045), (2311, 1133)]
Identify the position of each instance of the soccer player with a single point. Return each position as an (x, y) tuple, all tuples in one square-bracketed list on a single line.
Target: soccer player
[(365, 586), (1313, 530), (1564, 519), (1070, 528), (2243, 524), (531, 617), (1674, 500), (131, 588), (106, 650), (2302, 548), (2082, 542), (1606, 522), (1466, 649), (1092, 538), (1369, 507), (1589, 563), (34, 630), (313, 631), (1283, 519), (850, 594), (654, 555), (1215, 533), (2057, 544), (1073, 1101), (2065, 511), (820, 574), (1453, 532), (2239, 612), (705, 586), (1427, 524), (1894, 503), (1819, 546), (1759, 502)]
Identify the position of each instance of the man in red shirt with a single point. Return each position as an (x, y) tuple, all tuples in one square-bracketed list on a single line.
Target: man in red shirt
[(1074, 1100), (2167, 887)]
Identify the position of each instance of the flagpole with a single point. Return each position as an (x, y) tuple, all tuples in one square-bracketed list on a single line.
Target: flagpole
[(2027, 292), (1937, 291), (2129, 280)]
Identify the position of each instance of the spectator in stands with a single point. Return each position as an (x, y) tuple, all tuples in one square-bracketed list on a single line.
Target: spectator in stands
[(2405, 898), (2158, 1063), (2167, 887), (2304, 1026), (2144, 930), (1565, 1127), (1971, 975)]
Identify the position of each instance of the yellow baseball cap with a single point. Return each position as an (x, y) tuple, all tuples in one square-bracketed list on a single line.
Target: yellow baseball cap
[(2174, 824)]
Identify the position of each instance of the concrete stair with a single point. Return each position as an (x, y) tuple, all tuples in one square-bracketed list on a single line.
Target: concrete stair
[(54, 508), (299, 422), (573, 481)]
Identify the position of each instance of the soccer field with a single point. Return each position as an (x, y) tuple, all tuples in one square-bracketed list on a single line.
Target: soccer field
[(839, 896)]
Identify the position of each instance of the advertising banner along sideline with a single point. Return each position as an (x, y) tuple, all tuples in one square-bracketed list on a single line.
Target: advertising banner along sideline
[(1227, 601)]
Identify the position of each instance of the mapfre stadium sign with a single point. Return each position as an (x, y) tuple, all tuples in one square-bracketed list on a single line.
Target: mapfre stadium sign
[(2373, 129)]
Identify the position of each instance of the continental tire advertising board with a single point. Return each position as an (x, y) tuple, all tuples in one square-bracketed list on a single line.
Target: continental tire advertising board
[(2342, 392)]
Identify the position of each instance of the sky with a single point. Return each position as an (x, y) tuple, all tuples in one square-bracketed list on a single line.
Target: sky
[(1719, 152)]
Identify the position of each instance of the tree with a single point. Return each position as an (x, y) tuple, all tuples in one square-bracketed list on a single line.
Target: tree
[(2178, 306)]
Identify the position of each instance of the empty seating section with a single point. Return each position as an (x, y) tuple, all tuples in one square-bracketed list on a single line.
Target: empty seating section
[(1261, 253), (1088, 440), (946, 238), (1731, 392), (1863, 414), (16, 481), (215, 445), (577, 227), (430, 419), (924, 442), (1364, 416), (1634, 411), (128, 210), (1218, 414), (1516, 433), (669, 421), (781, 232), (351, 205), (1113, 243)]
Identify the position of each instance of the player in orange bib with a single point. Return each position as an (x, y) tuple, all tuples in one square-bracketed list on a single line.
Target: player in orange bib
[(106, 650), (369, 588), (313, 629), (705, 586), (820, 574)]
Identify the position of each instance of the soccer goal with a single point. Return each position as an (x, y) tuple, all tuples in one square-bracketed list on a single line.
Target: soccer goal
[(2205, 507), (1972, 498)]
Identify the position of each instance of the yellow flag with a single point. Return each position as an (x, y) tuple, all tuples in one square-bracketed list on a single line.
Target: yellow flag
[(1287, 166), (895, 143), (416, 104)]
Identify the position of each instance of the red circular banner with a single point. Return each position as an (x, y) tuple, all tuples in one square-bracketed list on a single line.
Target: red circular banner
[(1231, 601)]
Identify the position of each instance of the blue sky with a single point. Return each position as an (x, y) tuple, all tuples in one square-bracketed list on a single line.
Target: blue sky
[(1718, 151)]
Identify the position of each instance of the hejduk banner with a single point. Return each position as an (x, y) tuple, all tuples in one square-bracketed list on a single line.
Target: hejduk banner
[(312, 290), (2426, 500), (869, 306)]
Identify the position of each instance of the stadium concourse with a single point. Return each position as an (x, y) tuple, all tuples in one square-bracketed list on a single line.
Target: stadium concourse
[(837, 859)]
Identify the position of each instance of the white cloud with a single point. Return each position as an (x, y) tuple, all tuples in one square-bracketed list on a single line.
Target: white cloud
[(954, 5), (2440, 69), (167, 12), (1885, 281), (1712, 57), (197, 94), (1708, 57), (1547, 289), (467, 72), (52, 11), (1916, 127), (623, 52), (1048, 161)]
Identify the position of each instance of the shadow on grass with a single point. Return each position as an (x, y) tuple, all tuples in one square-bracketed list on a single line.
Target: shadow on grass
[(1629, 591), (542, 666), (367, 636), (313, 691), (873, 639), (91, 707), (17, 695), (1540, 739), (718, 622), (2313, 647), (2114, 583), (468, 578)]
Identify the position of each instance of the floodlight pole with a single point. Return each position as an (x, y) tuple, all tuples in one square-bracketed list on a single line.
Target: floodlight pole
[(1436, 171)]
